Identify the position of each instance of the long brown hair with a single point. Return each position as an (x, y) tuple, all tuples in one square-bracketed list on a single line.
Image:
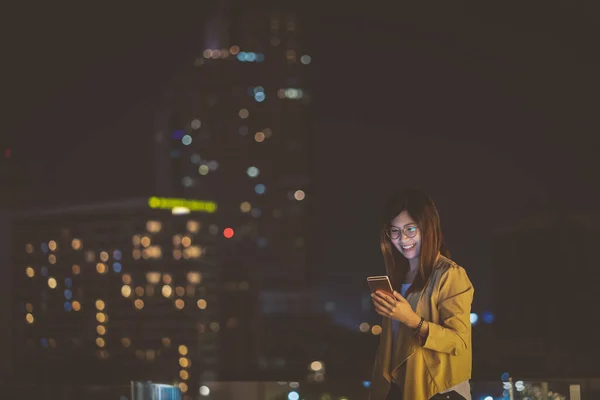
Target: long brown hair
[(423, 211)]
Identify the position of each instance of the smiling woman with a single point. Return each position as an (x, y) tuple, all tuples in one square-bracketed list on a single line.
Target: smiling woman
[(425, 348)]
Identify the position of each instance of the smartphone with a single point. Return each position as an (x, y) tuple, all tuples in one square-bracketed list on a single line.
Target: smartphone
[(381, 283)]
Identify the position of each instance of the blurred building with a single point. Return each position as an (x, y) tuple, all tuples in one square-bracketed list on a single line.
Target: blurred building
[(236, 123), (545, 278), (174, 288)]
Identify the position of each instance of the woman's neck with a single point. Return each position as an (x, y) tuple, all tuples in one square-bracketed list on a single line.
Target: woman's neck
[(413, 270)]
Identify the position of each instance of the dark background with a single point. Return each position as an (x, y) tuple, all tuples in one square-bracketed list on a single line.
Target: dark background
[(491, 109)]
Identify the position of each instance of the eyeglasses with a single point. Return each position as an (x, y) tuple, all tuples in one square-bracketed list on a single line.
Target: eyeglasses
[(408, 231)]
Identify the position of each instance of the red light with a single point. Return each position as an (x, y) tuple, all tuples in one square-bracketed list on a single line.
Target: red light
[(7, 152), (228, 233)]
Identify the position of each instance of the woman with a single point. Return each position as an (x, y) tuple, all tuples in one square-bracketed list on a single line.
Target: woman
[(425, 347)]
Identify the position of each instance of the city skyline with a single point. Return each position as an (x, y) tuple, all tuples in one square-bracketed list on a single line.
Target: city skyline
[(490, 110)]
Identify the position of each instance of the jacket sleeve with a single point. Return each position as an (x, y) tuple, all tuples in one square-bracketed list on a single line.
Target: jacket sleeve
[(453, 334)]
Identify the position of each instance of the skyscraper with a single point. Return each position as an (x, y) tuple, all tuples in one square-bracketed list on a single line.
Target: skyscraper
[(169, 288)]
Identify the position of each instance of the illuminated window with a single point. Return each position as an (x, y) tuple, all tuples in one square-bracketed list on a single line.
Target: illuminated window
[(103, 256), (183, 387), (153, 252), (101, 268), (101, 317), (139, 291), (117, 267), (90, 256), (145, 241), (183, 350), (243, 114), (186, 241), (290, 56), (29, 318), (126, 342), (234, 49), (101, 330), (376, 330), (180, 291), (184, 362), (177, 254), (29, 248), (153, 277), (299, 195), (167, 291), (177, 240), (193, 226), (305, 59), (52, 259), (179, 304), (52, 245), (186, 140), (76, 269), (136, 240), (52, 283), (245, 207), (203, 169), (183, 374), (76, 306), (139, 304), (252, 172), (166, 342), (202, 304), (167, 279), (194, 277), (126, 279), (100, 305), (260, 188), (100, 342), (259, 137), (126, 290), (195, 124), (30, 272)]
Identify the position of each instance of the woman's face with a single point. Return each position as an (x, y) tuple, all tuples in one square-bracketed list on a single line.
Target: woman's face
[(401, 228)]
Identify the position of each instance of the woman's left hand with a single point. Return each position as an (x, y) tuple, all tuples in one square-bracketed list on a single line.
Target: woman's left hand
[(396, 307)]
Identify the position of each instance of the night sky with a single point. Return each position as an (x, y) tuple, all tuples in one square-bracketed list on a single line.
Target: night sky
[(490, 110)]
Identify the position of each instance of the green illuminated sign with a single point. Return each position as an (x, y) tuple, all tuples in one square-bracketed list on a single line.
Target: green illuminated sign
[(167, 203)]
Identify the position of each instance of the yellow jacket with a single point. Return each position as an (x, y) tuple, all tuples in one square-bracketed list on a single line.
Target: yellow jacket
[(444, 360)]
